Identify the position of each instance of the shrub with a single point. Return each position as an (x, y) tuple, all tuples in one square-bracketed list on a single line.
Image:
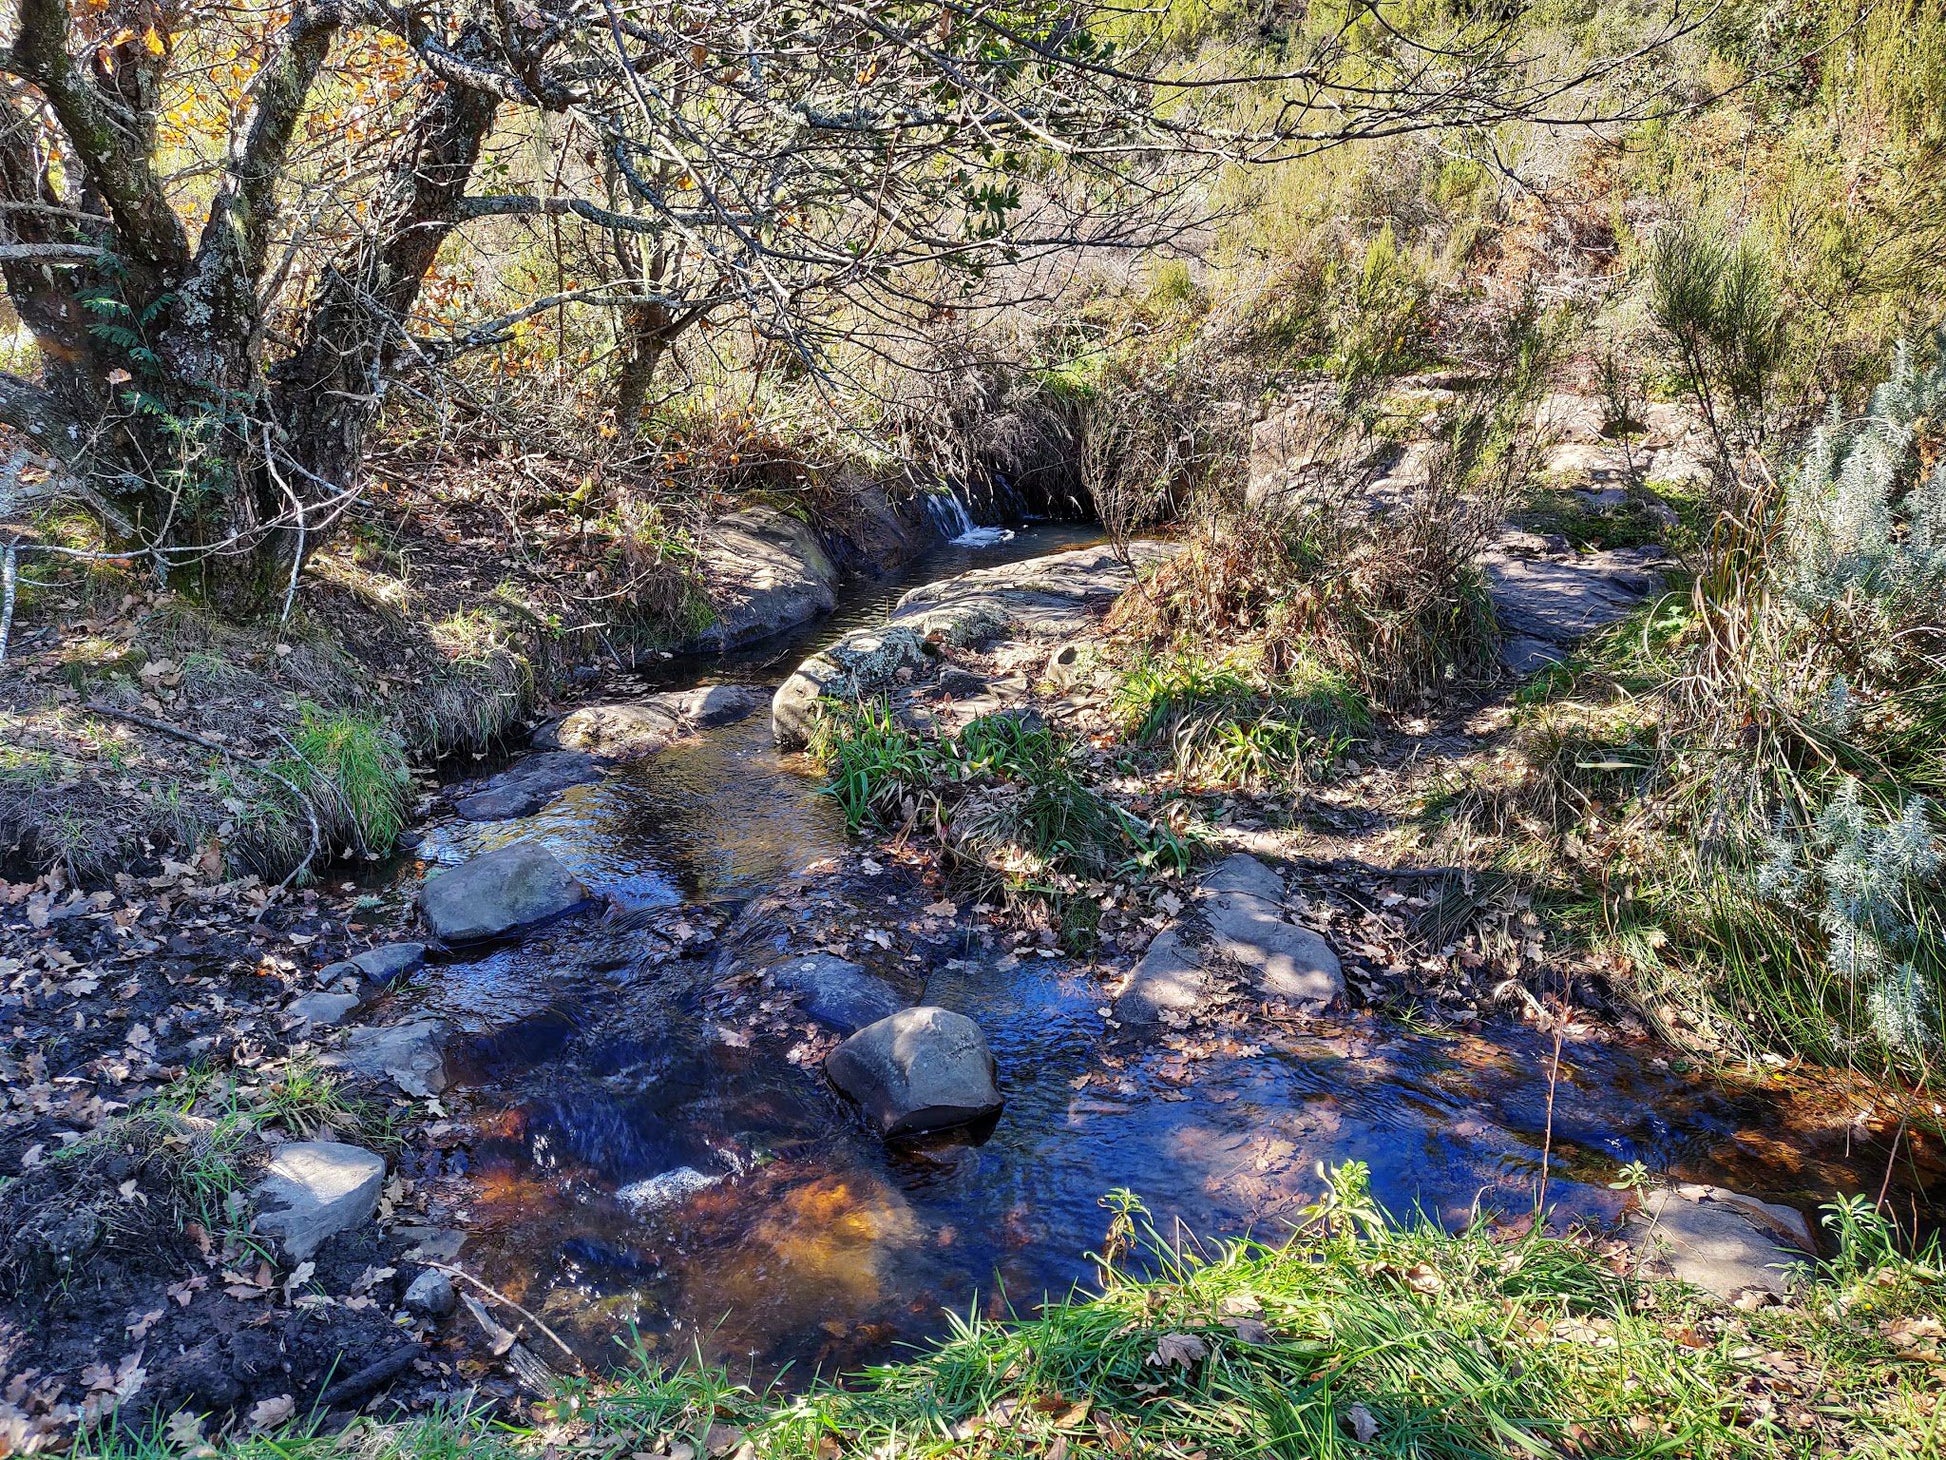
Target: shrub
[(1386, 592), (1009, 797), (1787, 843)]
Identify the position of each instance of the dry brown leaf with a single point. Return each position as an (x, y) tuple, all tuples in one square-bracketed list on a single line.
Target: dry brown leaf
[(1181, 1349)]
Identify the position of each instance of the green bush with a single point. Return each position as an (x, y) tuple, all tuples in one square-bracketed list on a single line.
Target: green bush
[(1010, 797)]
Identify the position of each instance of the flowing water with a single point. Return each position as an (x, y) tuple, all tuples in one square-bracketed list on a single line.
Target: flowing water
[(641, 1169)]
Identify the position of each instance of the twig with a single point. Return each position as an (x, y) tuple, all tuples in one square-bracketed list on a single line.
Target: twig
[(500, 1297), (163, 727), (9, 578), (1553, 1079), (357, 1385)]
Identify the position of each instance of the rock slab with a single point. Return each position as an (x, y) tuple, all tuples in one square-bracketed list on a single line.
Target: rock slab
[(411, 1056), (322, 1010), (1719, 1240), (768, 573), (313, 1190), (1545, 602), (1240, 905), (921, 1069), (838, 993), (498, 893), (524, 788), (389, 961)]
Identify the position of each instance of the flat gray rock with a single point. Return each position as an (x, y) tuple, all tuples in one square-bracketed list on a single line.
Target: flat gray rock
[(1057, 595), (528, 785), (1719, 1240), (389, 961), (1241, 872), (919, 1070), (412, 1056), (1291, 962), (322, 1010), (313, 1190), (767, 573), (1169, 977), (837, 993), (1559, 599), (499, 892)]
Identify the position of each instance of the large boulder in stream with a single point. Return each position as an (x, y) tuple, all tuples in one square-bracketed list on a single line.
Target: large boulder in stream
[(863, 661), (766, 573), (498, 893), (922, 1069)]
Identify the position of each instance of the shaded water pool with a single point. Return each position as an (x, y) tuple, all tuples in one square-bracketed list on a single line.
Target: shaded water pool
[(635, 1165)]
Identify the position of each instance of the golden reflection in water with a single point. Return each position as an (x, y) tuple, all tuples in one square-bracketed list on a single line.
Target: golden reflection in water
[(782, 1257)]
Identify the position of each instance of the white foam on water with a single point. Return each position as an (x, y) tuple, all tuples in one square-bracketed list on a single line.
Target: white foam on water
[(665, 1190)]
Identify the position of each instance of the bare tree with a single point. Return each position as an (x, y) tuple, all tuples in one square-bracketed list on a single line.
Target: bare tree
[(215, 337)]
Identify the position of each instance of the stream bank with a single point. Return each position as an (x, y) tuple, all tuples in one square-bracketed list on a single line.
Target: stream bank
[(624, 1128)]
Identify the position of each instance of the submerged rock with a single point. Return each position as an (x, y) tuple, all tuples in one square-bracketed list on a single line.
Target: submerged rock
[(919, 1070), (525, 787), (665, 1190), (1719, 1240), (313, 1190), (412, 1056), (498, 893), (837, 993)]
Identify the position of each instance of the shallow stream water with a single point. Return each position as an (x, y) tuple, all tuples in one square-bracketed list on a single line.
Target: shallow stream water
[(639, 1175)]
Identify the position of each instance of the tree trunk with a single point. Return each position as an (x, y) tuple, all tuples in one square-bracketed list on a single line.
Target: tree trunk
[(329, 392), (646, 331)]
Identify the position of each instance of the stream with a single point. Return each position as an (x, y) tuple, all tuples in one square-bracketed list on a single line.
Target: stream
[(628, 1166)]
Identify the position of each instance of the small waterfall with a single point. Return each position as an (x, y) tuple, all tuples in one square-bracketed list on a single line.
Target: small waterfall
[(955, 523)]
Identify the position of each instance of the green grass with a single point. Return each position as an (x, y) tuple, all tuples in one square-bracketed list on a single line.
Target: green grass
[(1360, 1337), (1223, 727), (1011, 797), (362, 765)]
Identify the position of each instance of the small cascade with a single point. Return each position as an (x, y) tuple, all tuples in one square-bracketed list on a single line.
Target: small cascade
[(956, 525)]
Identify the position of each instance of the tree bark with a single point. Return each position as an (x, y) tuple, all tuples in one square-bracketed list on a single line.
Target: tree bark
[(328, 392)]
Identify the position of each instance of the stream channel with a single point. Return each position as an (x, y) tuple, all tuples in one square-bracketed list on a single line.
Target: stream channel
[(638, 1174)]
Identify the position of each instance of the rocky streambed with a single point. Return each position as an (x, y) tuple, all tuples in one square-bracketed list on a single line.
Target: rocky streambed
[(699, 1073)]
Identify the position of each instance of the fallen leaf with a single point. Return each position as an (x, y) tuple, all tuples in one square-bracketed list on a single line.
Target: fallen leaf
[(1359, 1421), (1250, 1330), (1182, 1349), (270, 1412), (139, 1329)]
